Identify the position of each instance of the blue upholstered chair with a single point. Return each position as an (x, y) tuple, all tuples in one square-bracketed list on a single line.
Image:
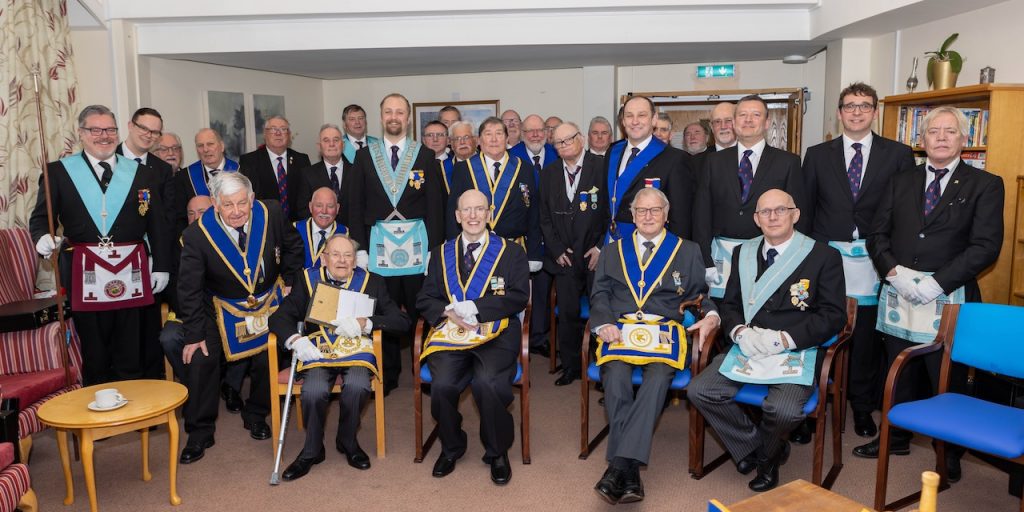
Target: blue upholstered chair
[(553, 339), (421, 376), (981, 336), (592, 374), (829, 386)]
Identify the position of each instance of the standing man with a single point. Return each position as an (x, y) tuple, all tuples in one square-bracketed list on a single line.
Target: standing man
[(236, 264), (495, 276), (435, 138), (663, 128), (846, 180), (193, 180), (642, 161), (331, 172), (729, 185), (695, 138), (397, 212), (318, 372), (449, 115), (549, 128), (354, 119), (534, 149), (785, 298), (513, 123), (722, 122), (572, 220), (599, 136), (936, 228), (319, 227), (274, 169), (169, 150), (106, 205), (640, 283)]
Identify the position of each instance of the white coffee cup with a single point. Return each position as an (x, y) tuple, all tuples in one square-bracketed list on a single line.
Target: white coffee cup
[(109, 397)]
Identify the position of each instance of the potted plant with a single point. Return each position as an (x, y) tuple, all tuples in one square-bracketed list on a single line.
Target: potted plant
[(944, 65)]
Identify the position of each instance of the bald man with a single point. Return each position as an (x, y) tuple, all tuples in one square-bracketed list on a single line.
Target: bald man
[(321, 225), (193, 181)]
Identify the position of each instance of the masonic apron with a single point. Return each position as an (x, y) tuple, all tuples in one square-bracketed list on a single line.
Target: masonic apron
[(337, 351), (915, 323), (398, 246), (862, 281), (721, 253)]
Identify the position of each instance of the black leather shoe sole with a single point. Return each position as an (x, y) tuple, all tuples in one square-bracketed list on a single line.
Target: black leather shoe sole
[(607, 494), (258, 430), (192, 453), (864, 425), (870, 450), (566, 378), (443, 467), (747, 465), (301, 467)]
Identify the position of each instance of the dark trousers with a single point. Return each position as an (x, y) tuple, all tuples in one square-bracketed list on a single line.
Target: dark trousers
[(920, 379), (152, 354), (316, 395), (540, 295), (865, 376), (631, 418), (569, 288), (488, 370), (403, 290), (111, 345)]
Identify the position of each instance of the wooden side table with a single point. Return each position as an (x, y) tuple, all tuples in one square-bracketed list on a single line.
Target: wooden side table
[(150, 403), (798, 495)]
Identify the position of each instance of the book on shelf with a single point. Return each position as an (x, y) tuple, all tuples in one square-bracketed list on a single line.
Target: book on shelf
[(975, 159), (912, 116)]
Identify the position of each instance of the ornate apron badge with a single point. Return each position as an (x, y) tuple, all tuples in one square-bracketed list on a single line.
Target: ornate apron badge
[(525, 190), (799, 293), (416, 179), (593, 198), (143, 201)]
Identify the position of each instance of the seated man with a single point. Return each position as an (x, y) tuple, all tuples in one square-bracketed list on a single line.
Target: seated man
[(787, 297), (338, 268), (320, 226), (476, 286), (639, 284)]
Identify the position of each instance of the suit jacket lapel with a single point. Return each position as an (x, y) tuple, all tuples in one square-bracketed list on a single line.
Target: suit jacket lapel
[(837, 159), (730, 173), (764, 165), (956, 181), (878, 158)]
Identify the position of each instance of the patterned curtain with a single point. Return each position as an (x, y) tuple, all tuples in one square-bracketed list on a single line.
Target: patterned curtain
[(34, 37)]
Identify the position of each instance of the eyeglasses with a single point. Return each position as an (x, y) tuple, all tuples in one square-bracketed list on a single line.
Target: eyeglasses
[(849, 108), (643, 212), (276, 131), (779, 211), (511, 122), (165, 149), (564, 143), (96, 132), (147, 131), (434, 135), (479, 210), (462, 139)]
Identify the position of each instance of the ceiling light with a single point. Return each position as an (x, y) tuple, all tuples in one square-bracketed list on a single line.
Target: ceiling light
[(794, 59)]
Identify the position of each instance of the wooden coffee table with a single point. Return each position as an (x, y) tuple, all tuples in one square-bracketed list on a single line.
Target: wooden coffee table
[(150, 403), (798, 496)]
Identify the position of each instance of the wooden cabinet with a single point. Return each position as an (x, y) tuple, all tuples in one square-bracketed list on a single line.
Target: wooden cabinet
[(1003, 154)]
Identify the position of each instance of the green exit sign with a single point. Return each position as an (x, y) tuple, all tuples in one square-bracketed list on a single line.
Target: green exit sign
[(716, 71)]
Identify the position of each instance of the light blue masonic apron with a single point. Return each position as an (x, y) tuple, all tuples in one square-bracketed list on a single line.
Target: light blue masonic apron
[(398, 246), (918, 324)]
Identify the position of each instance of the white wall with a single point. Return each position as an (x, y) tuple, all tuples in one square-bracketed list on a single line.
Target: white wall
[(93, 66)]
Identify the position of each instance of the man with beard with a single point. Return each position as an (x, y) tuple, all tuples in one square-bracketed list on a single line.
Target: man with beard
[(722, 124), (169, 150), (695, 138)]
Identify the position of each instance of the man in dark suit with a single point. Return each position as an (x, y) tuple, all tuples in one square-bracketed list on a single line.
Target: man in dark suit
[(338, 268), (599, 136), (631, 334), (237, 262), (107, 317), (572, 221), (332, 172), (476, 334), (729, 185), (193, 180), (274, 169), (168, 149), (354, 119), (936, 228), (723, 124), (775, 337), (640, 161), (396, 211), (846, 179), (695, 139)]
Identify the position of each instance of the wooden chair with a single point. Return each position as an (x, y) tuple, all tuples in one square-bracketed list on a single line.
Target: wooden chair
[(279, 388), (553, 365), (981, 336), (592, 373), (830, 388), (421, 375)]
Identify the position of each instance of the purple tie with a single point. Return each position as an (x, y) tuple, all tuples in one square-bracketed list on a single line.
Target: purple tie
[(468, 259), (572, 175), (746, 175), (934, 190), (632, 154), (394, 157), (536, 162), (282, 185), (856, 169), (334, 180)]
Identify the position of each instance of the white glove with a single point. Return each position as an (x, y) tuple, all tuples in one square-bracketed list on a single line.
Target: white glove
[(904, 282), (745, 340), (465, 309), (711, 276), (159, 281), (927, 290), (535, 266), (347, 327), (362, 259), (47, 244), (304, 350), (768, 342)]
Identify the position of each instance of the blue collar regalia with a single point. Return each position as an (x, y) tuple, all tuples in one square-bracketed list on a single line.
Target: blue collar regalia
[(242, 321), (307, 230), (619, 184), (335, 350), (398, 246), (789, 367), (646, 338), (197, 175), (448, 166), (448, 335), (498, 192)]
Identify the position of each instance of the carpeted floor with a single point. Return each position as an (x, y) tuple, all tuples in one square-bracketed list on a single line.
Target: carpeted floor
[(234, 474)]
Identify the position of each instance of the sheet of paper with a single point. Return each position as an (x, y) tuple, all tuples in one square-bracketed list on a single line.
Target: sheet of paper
[(354, 304)]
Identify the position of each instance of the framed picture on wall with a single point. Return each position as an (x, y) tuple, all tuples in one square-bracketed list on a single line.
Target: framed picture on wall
[(472, 111), (265, 106), (225, 113)]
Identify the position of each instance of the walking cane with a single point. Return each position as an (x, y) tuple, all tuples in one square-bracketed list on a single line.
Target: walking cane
[(275, 477)]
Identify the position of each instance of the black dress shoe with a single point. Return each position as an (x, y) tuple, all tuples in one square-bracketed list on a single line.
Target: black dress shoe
[(356, 458), (747, 464), (232, 399), (567, 377), (444, 466), (194, 451), (953, 471), (501, 470), (258, 430), (870, 450), (544, 349), (300, 467), (632, 487), (389, 387), (609, 487), (767, 477), (864, 424), (802, 433)]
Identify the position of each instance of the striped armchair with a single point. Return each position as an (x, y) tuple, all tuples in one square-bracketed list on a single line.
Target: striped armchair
[(31, 366), (15, 483)]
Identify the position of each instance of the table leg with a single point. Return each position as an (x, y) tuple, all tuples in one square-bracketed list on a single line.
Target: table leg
[(172, 430), (146, 476), (90, 476), (65, 464)]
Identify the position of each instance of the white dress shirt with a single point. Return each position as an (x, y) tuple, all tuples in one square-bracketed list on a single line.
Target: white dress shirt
[(629, 150), (132, 156), (401, 148), (354, 142), (570, 190), (755, 157), (95, 163), (929, 176), (489, 162), (275, 156)]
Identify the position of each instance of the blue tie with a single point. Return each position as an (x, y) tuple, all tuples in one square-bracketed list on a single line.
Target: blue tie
[(934, 190), (394, 157), (746, 175), (856, 169), (770, 255)]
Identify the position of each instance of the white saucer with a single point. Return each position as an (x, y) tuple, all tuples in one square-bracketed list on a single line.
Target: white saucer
[(94, 407)]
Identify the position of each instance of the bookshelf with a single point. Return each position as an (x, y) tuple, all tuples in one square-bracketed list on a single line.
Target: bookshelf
[(997, 145)]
